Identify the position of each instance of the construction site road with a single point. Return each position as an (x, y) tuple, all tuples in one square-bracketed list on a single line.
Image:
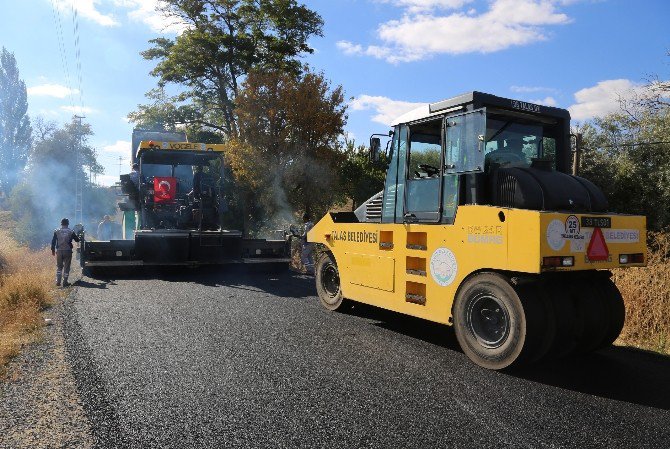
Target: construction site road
[(220, 358)]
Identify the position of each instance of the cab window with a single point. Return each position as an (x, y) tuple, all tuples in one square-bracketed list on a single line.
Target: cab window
[(424, 155), (423, 174), (512, 141)]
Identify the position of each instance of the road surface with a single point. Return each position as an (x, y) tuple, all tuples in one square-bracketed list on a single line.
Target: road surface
[(214, 358)]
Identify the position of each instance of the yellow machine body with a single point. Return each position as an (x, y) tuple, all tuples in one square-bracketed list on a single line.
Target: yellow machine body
[(416, 269), (149, 145)]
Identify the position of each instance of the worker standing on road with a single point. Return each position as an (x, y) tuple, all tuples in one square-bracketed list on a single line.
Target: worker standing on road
[(61, 247), (307, 254), (105, 228)]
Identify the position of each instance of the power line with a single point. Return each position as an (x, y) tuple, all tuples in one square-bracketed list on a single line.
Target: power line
[(634, 144), (77, 52), (61, 47)]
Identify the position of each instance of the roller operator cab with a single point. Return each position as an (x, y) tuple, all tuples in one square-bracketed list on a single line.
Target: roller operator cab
[(480, 225), (174, 214)]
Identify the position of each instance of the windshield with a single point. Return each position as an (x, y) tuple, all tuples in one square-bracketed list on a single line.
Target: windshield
[(183, 173), (152, 170), (512, 141)]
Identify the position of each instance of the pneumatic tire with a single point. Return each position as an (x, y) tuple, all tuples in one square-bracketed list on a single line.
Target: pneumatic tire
[(616, 310), (495, 325), (592, 319), (328, 286)]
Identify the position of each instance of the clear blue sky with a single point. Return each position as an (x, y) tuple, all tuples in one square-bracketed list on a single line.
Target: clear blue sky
[(387, 54)]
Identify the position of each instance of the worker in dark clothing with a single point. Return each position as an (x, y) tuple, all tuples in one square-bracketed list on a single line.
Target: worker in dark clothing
[(105, 228), (61, 247), (197, 181), (307, 250)]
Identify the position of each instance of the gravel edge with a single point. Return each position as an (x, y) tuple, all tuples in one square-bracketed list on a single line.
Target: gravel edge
[(41, 406)]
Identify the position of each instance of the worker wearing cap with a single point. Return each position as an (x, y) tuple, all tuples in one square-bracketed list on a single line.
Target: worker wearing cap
[(61, 247)]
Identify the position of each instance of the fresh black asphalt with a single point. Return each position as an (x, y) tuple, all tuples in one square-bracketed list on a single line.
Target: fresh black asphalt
[(223, 358)]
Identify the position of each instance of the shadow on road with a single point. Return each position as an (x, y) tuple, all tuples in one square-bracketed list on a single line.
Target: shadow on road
[(282, 283), (87, 284), (619, 373)]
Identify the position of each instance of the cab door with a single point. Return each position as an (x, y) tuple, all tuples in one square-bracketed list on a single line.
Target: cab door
[(463, 158), (424, 169)]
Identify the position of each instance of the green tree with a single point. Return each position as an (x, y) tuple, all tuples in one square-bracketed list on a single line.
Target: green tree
[(15, 129), (161, 114), (47, 191), (287, 156), (222, 41), (360, 176), (627, 154)]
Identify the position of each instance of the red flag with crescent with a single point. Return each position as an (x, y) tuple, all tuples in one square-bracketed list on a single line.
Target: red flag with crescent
[(165, 189)]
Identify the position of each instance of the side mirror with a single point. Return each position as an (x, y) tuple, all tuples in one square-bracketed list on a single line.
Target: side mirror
[(375, 146)]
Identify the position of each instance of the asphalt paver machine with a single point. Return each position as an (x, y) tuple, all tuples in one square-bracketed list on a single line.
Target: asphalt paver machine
[(174, 214)]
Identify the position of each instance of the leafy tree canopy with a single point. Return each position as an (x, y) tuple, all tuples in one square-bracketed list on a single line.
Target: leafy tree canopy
[(360, 176), (15, 129), (47, 191), (222, 41), (627, 154), (287, 155)]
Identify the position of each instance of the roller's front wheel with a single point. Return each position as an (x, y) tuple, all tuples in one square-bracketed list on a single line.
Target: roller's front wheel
[(496, 325), (328, 283)]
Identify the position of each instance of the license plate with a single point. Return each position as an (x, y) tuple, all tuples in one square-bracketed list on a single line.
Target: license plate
[(596, 222)]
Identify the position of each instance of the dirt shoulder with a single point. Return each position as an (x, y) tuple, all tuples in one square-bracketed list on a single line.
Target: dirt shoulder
[(39, 403)]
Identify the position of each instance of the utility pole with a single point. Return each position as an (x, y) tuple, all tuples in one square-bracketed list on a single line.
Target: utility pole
[(79, 182), (577, 153)]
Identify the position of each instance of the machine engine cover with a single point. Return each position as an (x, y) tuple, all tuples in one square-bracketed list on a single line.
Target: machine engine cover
[(538, 189)]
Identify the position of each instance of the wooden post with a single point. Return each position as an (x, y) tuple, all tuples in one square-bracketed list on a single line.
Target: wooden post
[(577, 154)]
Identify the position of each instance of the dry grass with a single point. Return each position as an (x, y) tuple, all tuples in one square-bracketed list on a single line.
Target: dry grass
[(25, 290), (646, 292)]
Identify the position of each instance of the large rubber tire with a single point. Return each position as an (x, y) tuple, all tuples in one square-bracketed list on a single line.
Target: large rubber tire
[(328, 283), (616, 310), (546, 318), (592, 319), (496, 325), (564, 316)]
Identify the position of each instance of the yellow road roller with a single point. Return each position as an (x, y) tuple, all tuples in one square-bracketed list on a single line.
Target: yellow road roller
[(482, 226)]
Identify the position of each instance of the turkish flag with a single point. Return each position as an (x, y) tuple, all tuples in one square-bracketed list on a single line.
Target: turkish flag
[(165, 189)]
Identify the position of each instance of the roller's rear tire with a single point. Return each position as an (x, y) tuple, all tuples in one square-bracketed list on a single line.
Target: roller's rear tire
[(592, 320), (328, 283), (546, 316), (565, 317), (616, 309), (496, 325)]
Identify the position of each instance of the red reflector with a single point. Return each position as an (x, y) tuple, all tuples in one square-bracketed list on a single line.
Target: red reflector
[(636, 258), (554, 261), (597, 249)]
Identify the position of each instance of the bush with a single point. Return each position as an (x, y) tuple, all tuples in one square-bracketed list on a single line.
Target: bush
[(25, 277), (646, 292)]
